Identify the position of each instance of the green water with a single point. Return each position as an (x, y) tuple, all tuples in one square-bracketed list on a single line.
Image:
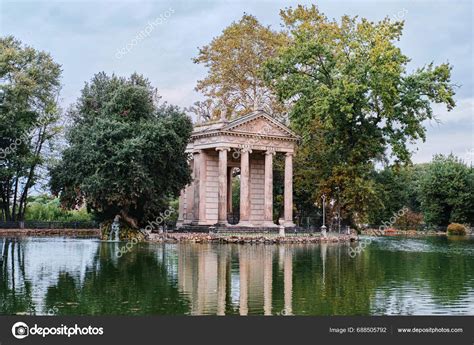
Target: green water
[(391, 276)]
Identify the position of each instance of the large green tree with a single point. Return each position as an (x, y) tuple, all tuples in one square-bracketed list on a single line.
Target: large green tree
[(446, 191), (354, 102), (396, 187), (28, 121), (234, 85), (126, 153)]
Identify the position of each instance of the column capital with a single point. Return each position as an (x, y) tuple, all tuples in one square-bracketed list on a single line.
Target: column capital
[(246, 148), (289, 154), (197, 151), (223, 148), (270, 151)]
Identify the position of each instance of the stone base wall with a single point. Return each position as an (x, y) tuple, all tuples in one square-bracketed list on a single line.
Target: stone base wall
[(235, 229)]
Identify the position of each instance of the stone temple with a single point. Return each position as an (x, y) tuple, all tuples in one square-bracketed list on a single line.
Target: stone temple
[(222, 149)]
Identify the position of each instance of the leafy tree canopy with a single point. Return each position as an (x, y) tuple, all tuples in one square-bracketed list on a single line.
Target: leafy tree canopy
[(446, 191), (396, 188), (28, 121), (127, 152), (353, 101), (234, 85)]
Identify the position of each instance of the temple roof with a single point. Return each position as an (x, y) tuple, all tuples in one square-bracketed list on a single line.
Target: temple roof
[(257, 123)]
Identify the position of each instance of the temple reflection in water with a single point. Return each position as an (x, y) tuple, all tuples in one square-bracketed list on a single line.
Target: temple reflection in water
[(243, 276), (64, 276)]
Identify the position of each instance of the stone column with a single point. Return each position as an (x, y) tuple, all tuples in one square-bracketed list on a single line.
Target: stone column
[(202, 283), (268, 189), (267, 280), (221, 279), (229, 190), (196, 183), (222, 191), (288, 214), (181, 215), (245, 186), (202, 188), (189, 218), (199, 210), (244, 280), (288, 281)]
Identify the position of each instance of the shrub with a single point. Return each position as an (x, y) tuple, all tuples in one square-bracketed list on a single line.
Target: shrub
[(48, 208), (456, 229), (409, 221)]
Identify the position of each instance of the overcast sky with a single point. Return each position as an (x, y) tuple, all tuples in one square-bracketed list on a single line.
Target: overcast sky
[(86, 37)]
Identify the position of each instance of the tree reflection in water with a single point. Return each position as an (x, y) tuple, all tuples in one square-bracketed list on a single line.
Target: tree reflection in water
[(86, 277)]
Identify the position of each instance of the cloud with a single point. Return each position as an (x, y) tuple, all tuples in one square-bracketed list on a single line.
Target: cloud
[(182, 95), (463, 112), (84, 35), (456, 138)]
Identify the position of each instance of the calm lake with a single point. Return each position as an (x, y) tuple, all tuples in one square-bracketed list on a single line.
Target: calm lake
[(392, 276)]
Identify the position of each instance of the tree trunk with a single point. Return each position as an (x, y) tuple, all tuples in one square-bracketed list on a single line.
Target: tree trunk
[(15, 194), (130, 220), (7, 200), (39, 146)]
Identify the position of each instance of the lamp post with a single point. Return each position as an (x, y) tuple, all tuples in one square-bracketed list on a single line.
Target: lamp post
[(323, 228), (338, 218), (338, 210)]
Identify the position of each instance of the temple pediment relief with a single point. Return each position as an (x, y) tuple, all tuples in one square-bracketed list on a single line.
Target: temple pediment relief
[(260, 127), (259, 124), (257, 130)]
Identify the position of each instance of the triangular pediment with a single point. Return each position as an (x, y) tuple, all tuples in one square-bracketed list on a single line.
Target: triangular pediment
[(259, 123)]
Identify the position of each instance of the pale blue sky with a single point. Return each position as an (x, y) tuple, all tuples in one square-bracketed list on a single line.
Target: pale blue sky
[(85, 36)]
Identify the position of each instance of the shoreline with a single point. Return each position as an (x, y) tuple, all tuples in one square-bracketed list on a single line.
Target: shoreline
[(196, 237), (406, 233), (50, 232), (205, 237), (192, 237)]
